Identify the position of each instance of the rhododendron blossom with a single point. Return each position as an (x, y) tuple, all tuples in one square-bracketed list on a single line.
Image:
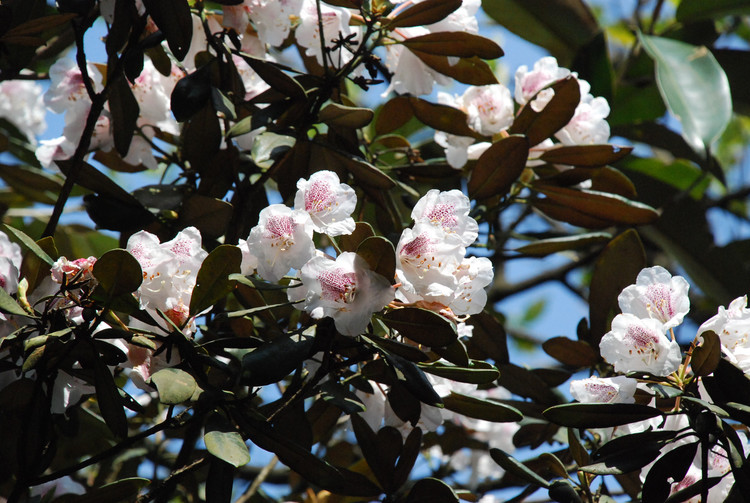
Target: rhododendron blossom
[(329, 203), (449, 212), (531, 82), (10, 264), (281, 241), (658, 295), (335, 22), (636, 344), (619, 389), (732, 325), (170, 271), (426, 258), (346, 289), (23, 105)]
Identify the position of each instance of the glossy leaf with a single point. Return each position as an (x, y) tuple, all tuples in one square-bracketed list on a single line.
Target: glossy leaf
[(543, 247), (686, 74), (569, 352), (441, 117), (585, 155), (424, 13), (599, 415), (616, 209), (479, 372), (380, 255), (706, 357), (498, 167), (224, 442), (538, 126), (512, 465), (174, 19), (276, 78), (340, 396), (118, 272), (617, 267), (473, 71), (413, 379), (672, 466), (345, 116), (570, 215), (454, 43), (29, 244), (9, 305), (174, 385), (539, 22), (407, 351), (350, 242), (125, 110), (190, 95), (213, 283), (479, 408), (422, 326), (393, 114), (273, 361)]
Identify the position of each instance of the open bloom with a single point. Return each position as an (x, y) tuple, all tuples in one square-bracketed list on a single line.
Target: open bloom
[(329, 203), (732, 325), (22, 104), (448, 211), (10, 264), (344, 289), (658, 295), (530, 82), (618, 389), (335, 23), (636, 344), (282, 240)]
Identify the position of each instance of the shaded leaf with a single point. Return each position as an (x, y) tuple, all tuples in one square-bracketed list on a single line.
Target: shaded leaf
[(350, 242), (424, 13), (573, 353), (110, 403), (344, 116), (118, 272), (706, 357), (543, 247), (413, 379), (340, 396), (125, 110), (422, 326), (174, 19), (441, 117), (512, 465), (686, 74), (209, 215), (213, 283), (454, 43), (191, 94), (498, 167), (480, 408), (479, 372), (407, 351), (599, 415), (602, 205), (29, 244), (9, 305), (672, 466), (380, 255), (690, 11), (224, 442), (539, 126), (570, 215), (273, 361), (174, 385), (120, 491), (276, 78), (585, 155), (219, 481), (431, 490), (394, 113), (473, 71)]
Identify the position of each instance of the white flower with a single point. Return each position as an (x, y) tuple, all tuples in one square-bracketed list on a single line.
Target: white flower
[(448, 211), (329, 203), (335, 21), (732, 325), (658, 295), (249, 260), (529, 83), (618, 389), (170, 271), (472, 276), (23, 105), (636, 344), (588, 125), (489, 108), (10, 264), (426, 259), (282, 240), (272, 19), (344, 289)]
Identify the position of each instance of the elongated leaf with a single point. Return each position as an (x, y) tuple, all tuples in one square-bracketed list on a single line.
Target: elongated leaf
[(601, 205), (174, 19), (9, 305), (213, 283), (29, 244), (422, 326), (672, 466), (275, 360), (125, 110), (394, 114), (380, 255), (599, 415), (545, 247), (569, 352), (585, 155), (478, 373), (454, 43), (539, 126), (276, 78), (473, 71), (498, 167), (706, 356), (690, 11), (512, 465), (174, 385), (408, 351), (224, 442), (539, 22), (441, 117), (423, 13), (118, 272), (431, 490), (570, 215), (368, 442), (479, 408), (119, 491), (110, 403), (686, 75), (344, 116)]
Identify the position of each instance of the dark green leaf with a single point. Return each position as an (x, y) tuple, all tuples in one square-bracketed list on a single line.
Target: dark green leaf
[(413, 379), (174, 19), (603, 205), (409, 454), (224, 442), (479, 408), (175, 386), (190, 94), (431, 490), (441, 117), (120, 491), (473, 71), (585, 155), (91, 178), (706, 356), (479, 372), (499, 167), (454, 43), (213, 283), (29, 244), (340, 396), (407, 351), (422, 326), (380, 255), (545, 247), (599, 415), (110, 403), (118, 272), (538, 126), (275, 360), (671, 467), (617, 267), (373, 451), (424, 13), (344, 116), (512, 465), (690, 11), (276, 78), (124, 109), (219, 481), (350, 242), (574, 353), (686, 74), (209, 215), (9, 305)]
